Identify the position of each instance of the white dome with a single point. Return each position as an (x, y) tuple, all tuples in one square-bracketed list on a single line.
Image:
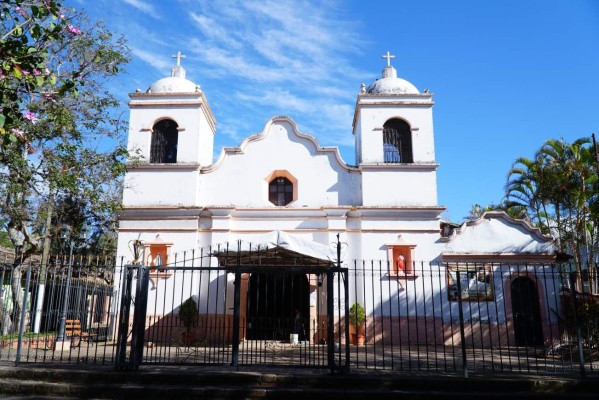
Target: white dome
[(391, 84), (173, 84)]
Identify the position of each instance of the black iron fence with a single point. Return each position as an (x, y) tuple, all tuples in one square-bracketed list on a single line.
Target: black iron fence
[(60, 312), (250, 307), (478, 318), (463, 318)]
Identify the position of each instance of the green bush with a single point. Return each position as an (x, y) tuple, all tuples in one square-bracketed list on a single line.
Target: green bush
[(188, 313), (357, 315), (587, 315)]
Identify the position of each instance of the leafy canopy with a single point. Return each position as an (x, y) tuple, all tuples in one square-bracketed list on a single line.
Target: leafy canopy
[(59, 125)]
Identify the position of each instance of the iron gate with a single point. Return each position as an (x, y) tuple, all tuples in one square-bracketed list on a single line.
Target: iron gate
[(241, 315)]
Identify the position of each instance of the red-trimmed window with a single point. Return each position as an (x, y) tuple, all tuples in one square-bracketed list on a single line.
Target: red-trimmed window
[(280, 191)]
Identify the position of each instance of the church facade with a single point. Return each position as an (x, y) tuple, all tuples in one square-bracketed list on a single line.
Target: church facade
[(281, 188)]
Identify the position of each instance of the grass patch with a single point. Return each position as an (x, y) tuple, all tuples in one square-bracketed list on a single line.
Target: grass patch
[(27, 335)]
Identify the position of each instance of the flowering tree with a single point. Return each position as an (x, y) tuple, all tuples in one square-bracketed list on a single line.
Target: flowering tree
[(59, 132)]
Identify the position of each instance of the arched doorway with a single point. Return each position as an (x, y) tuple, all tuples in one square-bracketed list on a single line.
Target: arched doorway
[(526, 312), (273, 299)]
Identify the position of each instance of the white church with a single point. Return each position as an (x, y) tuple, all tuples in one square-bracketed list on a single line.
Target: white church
[(282, 190)]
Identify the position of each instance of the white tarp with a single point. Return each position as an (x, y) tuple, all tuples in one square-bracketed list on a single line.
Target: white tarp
[(289, 242)]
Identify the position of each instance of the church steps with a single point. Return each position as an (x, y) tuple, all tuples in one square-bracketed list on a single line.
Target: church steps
[(161, 383)]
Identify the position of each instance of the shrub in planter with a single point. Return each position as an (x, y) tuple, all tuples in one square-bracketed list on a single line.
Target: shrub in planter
[(357, 318), (188, 313)]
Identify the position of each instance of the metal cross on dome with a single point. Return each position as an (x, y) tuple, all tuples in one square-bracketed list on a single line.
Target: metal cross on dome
[(179, 56), (388, 56)]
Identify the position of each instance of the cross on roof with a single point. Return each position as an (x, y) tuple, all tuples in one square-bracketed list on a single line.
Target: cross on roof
[(388, 56), (179, 56)]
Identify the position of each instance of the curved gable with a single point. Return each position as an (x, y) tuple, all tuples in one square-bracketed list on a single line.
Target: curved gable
[(269, 127), (322, 177)]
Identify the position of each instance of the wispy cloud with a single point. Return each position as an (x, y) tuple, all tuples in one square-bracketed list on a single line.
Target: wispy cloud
[(213, 30), (253, 59), (143, 7), (298, 38), (278, 99), (151, 58), (285, 56)]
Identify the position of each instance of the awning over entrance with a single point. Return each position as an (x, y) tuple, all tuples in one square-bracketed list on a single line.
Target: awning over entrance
[(277, 249)]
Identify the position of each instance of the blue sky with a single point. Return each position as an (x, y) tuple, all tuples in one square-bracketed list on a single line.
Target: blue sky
[(507, 75)]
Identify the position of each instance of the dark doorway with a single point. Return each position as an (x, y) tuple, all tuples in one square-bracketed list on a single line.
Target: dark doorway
[(526, 312), (273, 302)]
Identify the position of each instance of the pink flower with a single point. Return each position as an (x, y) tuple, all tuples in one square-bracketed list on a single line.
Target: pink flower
[(21, 11), (36, 72), (73, 30), (49, 96), (31, 117), (18, 133)]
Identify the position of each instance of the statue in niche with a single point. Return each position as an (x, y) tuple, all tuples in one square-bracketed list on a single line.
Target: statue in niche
[(401, 262)]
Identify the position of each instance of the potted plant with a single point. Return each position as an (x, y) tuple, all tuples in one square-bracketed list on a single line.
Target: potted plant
[(188, 313), (357, 318)]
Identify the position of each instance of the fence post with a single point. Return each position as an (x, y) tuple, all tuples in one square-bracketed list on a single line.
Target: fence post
[(330, 320), (2, 300), (577, 323), (346, 324), (139, 316), (124, 313), (23, 315), (236, 316), (462, 334)]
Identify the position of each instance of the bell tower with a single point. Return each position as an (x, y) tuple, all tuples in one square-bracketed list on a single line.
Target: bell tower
[(393, 130), (171, 130)]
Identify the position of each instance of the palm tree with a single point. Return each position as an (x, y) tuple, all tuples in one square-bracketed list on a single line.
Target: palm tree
[(568, 182), (523, 192), (559, 190)]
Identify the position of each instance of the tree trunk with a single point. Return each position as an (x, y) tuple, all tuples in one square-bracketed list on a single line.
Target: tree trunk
[(5, 324), (17, 298), (41, 281)]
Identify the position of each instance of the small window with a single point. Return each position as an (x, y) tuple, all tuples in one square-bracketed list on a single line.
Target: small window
[(164, 142), (280, 191), (476, 282), (397, 142)]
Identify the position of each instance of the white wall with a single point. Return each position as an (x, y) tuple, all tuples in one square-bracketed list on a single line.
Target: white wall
[(161, 185), (399, 186)]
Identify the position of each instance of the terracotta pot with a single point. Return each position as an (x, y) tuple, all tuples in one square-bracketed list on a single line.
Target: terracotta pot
[(358, 339)]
